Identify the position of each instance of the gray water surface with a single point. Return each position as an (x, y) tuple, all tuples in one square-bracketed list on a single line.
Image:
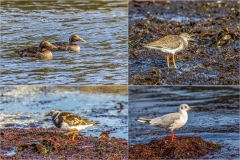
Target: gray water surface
[(103, 58), (215, 117)]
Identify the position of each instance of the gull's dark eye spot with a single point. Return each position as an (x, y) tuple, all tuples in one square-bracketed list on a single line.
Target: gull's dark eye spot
[(181, 107)]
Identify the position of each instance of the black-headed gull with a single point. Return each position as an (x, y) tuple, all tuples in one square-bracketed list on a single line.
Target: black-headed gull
[(170, 121)]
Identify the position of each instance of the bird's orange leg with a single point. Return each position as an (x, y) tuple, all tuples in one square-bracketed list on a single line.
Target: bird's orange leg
[(174, 62), (70, 132), (73, 134), (167, 59), (73, 137)]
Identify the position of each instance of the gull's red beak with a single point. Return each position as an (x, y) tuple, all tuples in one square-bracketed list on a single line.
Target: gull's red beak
[(191, 109)]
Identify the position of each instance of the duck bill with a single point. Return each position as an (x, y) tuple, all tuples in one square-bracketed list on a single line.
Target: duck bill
[(82, 39), (53, 47)]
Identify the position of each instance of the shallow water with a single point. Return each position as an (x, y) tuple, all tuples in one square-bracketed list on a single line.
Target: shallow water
[(171, 17), (215, 116), (26, 107), (103, 57)]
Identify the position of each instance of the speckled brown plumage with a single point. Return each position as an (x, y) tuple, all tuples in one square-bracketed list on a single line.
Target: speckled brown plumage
[(70, 121), (75, 120), (42, 51), (171, 41), (70, 46), (170, 44)]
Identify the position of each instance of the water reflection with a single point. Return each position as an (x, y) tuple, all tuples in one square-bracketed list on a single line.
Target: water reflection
[(103, 58)]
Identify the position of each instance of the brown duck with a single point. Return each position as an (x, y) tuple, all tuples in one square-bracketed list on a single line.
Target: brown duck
[(70, 46), (42, 51)]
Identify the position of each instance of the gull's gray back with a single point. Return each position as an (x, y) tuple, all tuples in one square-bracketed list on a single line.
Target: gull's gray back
[(165, 121)]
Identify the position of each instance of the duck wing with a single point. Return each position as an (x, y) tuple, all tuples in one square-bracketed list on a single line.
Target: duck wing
[(28, 52), (61, 46)]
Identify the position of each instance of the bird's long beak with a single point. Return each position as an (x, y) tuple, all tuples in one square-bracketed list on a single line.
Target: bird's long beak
[(192, 35), (47, 115), (190, 39), (191, 109), (80, 39)]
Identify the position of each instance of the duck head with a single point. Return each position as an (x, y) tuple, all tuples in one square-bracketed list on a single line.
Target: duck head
[(46, 45), (74, 38)]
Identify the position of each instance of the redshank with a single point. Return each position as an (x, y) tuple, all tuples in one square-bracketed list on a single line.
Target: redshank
[(171, 44)]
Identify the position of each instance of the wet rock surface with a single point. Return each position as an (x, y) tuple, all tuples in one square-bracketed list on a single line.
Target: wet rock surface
[(212, 59), (182, 147), (42, 143)]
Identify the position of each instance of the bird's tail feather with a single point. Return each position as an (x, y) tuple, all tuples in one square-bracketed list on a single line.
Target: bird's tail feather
[(96, 124), (144, 120)]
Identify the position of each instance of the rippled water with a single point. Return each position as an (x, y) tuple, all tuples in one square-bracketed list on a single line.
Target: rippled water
[(103, 58), (215, 116), (26, 107)]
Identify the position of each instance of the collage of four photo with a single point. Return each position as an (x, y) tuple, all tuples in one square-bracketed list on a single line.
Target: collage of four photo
[(118, 79)]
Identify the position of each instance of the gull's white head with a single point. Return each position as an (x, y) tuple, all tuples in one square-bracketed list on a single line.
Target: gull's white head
[(184, 107)]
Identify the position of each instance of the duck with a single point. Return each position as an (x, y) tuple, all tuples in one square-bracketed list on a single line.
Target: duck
[(70, 46), (42, 51)]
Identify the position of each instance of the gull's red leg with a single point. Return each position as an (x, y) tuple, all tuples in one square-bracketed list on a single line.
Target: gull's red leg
[(172, 135)]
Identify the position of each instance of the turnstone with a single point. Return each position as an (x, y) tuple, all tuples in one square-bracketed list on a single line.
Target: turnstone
[(171, 44), (170, 121), (70, 46), (70, 121), (42, 51)]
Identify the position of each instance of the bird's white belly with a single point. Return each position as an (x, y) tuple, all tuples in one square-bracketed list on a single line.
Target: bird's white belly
[(65, 126), (166, 50), (178, 123), (171, 51)]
